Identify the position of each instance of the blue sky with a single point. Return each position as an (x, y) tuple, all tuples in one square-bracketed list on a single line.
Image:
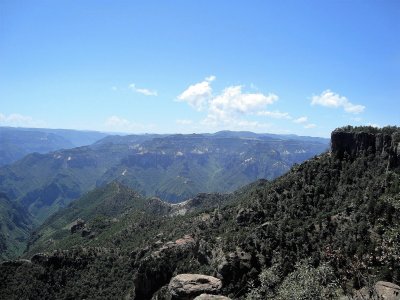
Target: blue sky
[(303, 67)]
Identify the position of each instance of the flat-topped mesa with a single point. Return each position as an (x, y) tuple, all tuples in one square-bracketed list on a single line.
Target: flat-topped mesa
[(356, 141)]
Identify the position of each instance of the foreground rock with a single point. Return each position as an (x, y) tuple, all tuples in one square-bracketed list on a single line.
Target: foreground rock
[(211, 297), (155, 269), (387, 290), (188, 286), (382, 290)]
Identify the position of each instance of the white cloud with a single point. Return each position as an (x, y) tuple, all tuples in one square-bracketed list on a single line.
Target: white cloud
[(274, 114), (210, 78), (229, 106), (354, 109), (198, 94), (310, 125), (232, 102), (330, 99), (300, 120), (20, 120), (115, 123), (143, 91), (184, 122), (114, 88)]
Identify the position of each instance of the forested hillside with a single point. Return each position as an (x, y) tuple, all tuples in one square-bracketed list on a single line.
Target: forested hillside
[(328, 228), (172, 168)]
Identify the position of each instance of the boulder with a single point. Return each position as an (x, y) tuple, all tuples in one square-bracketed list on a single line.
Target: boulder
[(188, 286), (77, 225), (382, 290), (387, 290), (211, 297)]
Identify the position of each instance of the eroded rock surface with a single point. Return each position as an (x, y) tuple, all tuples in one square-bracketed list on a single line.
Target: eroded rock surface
[(188, 286), (211, 297)]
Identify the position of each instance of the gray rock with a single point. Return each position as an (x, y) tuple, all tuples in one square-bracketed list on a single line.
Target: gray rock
[(188, 286), (382, 290), (211, 297), (387, 290), (356, 143)]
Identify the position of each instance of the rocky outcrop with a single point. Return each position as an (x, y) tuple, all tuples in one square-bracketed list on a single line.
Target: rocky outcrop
[(353, 143), (387, 290), (78, 225), (381, 290), (155, 268), (234, 265), (211, 297), (188, 286)]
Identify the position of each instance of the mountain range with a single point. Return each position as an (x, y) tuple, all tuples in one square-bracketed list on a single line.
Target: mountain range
[(328, 228), (15, 143), (173, 167)]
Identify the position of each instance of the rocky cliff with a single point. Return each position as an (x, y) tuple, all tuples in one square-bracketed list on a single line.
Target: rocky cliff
[(352, 142)]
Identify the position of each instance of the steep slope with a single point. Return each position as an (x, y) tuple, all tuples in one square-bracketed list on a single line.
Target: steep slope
[(180, 166), (15, 143), (93, 213), (44, 182), (15, 226), (327, 228), (111, 206)]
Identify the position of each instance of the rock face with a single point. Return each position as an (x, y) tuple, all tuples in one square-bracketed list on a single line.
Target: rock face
[(188, 286), (355, 143), (382, 290), (234, 265), (77, 225), (387, 290), (155, 268)]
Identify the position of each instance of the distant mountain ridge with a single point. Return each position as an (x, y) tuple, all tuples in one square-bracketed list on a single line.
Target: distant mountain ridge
[(173, 167), (15, 143)]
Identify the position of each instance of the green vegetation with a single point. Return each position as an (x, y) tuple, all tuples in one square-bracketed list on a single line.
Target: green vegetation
[(325, 229), (389, 130), (305, 282), (15, 227), (99, 210), (173, 168)]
